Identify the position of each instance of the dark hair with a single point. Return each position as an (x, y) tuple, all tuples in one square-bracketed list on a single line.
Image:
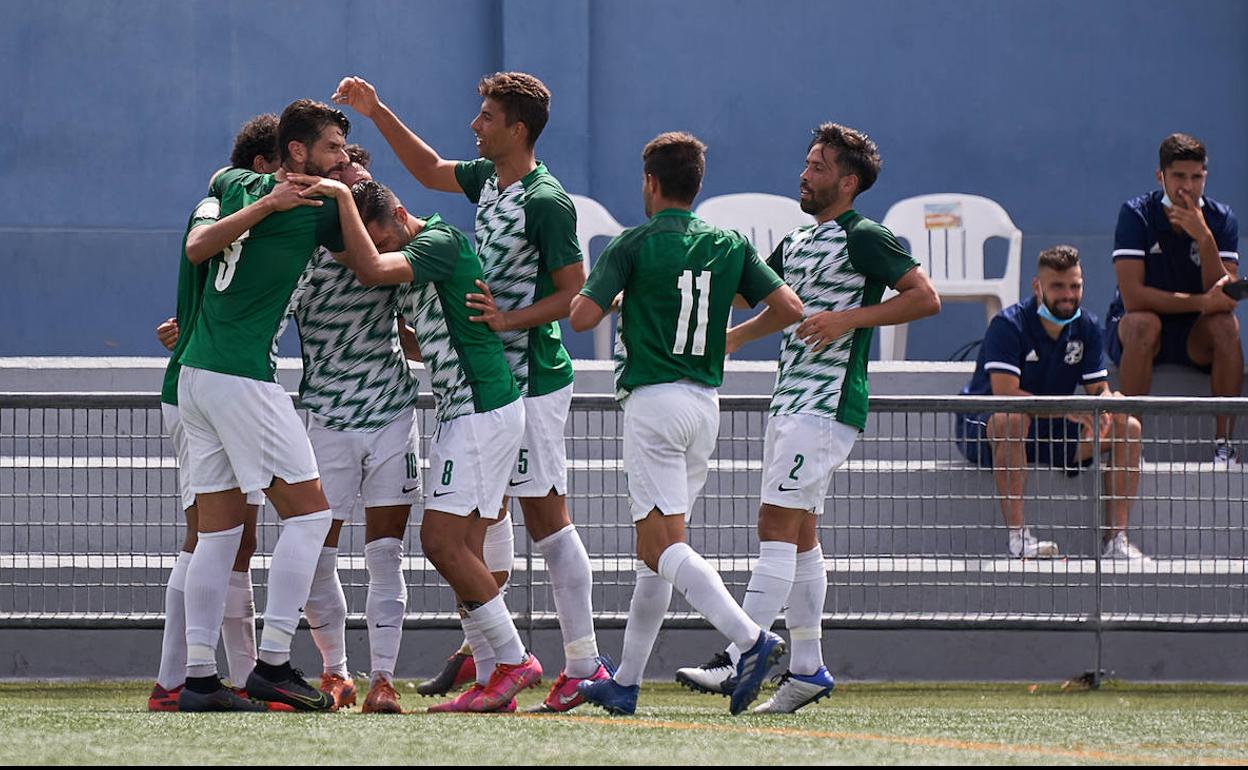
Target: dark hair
[(375, 201), (258, 136), (678, 161), (303, 120), (1059, 258), (856, 154), (358, 154), (523, 98), (1181, 147)]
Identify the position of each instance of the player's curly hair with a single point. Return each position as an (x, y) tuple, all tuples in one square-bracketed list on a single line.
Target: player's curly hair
[(1059, 258), (1181, 147), (303, 120), (258, 136), (678, 161), (523, 98), (856, 154), (358, 154)]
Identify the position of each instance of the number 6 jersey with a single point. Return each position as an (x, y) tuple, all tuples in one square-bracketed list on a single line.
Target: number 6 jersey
[(679, 276)]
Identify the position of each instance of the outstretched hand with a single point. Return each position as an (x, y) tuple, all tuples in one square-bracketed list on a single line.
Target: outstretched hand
[(358, 94)]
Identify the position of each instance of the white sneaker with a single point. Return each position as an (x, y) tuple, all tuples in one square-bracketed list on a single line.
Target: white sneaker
[(1224, 455), (1024, 545), (1118, 547), (796, 691), (717, 676)]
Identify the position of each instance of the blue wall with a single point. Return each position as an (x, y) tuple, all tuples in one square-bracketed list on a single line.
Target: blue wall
[(117, 112)]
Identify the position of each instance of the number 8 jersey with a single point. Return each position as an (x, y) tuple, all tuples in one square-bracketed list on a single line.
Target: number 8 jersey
[(679, 276)]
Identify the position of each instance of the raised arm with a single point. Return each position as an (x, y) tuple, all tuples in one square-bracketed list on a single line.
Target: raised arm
[(205, 241), (424, 163)]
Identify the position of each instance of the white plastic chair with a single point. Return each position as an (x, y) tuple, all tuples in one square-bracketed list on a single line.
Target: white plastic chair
[(593, 220), (946, 233), (763, 218)]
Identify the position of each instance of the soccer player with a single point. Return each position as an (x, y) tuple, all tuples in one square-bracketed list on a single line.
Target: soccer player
[(360, 395), (479, 410), (526, 239), (678, 276), (839, 267), (1047, 346), (255, 148), (1174, 248), (241, 427)]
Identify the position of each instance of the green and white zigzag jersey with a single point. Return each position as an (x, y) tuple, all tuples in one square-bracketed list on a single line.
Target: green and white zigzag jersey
[(355, 376), (838, 265), (468, 371), (524, 233)]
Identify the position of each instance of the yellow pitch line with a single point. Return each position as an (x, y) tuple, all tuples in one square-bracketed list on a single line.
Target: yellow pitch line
[(941, 743)]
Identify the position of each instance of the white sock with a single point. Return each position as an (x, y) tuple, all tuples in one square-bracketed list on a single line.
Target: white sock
[(498, 549), (651, 596), (207, 578), (290, 578), (805, 615), (238, 630), (702, 587), (572, 583), (326, 611), (387, 599), (769, 586), (496, 625), (482, 652), (173, 643)]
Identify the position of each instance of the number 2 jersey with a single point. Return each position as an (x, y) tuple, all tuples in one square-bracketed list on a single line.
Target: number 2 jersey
[(249, 288), (679, 276)]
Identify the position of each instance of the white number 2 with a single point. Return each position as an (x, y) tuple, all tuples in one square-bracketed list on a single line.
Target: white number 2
[(687, 282), (230, 261)]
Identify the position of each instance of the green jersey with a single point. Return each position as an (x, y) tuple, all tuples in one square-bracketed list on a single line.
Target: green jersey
[(250, 285), (524, 233), (679, 276), (838, 265), (355, 376), (191, 280), (467, 368)]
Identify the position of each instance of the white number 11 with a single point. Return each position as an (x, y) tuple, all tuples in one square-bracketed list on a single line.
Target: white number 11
[(687, 282)]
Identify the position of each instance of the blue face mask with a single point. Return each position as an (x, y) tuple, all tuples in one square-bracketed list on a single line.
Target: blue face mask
[(1047, 315)]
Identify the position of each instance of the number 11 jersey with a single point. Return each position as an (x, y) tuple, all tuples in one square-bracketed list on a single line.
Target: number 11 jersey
[(679, 276)]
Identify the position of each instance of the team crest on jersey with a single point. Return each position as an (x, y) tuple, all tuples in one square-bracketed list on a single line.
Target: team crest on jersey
[(1074, 352)]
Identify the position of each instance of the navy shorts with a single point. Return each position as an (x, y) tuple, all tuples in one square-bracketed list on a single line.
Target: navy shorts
[(1052, 441), (1175, 330)]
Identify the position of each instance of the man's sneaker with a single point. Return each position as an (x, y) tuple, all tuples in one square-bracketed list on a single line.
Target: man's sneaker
[(162, 699), (1224, 455), (341, 689), (284, 684), (505, 682), (565, 695), (609, 695), (382, 699), (716, 676), (221, 699), (796, 691), (465, 700), (752, 669), (458, 671), (1118, 547), (1024, 545)]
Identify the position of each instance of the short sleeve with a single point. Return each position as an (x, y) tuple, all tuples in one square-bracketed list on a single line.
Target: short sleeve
[(231, 177), (1227, 238), (876, 253), (472, 176), (611, 272), (432, 255), (776, 260), (1003, 349), (206, 212), (550, 225), (757, 279), (1094, 370), (1130, 235), (329, 227)]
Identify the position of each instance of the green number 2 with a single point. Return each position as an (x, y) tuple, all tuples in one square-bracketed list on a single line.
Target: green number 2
[(447, 469), (797, 465)]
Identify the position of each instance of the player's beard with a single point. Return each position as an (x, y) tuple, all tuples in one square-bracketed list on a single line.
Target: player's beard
[(1057, 314), (312, 169), (816, 202)]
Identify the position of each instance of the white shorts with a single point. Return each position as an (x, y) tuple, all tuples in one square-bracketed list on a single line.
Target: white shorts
[(470, 460), (542, 461), (173, 427), (799, 455), (669, 433), (242, 433), (375, 468)]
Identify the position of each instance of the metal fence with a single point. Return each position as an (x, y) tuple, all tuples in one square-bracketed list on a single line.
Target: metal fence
[(90, 521)]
